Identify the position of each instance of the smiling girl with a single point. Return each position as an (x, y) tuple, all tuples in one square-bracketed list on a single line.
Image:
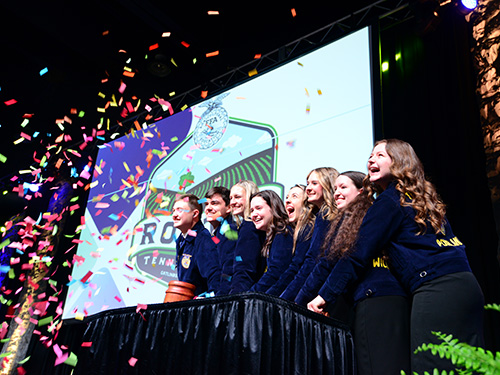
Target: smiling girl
[(250, 240), (408, 220), (269, 215), (379, 303), (319, 191)]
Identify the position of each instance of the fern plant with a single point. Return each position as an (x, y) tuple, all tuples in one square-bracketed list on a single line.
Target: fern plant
[(468, 359)]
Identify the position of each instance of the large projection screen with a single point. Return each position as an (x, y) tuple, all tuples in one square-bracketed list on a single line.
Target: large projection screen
[(315, 111)]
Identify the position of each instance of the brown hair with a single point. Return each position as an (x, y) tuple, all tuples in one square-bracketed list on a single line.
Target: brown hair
[(279, 223), (192, 201), (342, 234), (416, 191)]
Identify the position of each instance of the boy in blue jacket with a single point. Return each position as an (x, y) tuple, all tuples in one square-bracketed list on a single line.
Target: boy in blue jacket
[(196, 260), (218, 214)]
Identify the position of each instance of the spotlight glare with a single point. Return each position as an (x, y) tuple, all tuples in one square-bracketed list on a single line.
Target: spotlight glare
[(469, 4)]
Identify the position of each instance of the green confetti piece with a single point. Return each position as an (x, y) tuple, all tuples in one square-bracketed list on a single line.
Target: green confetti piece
[(115, 198), (3, 341), (231, 235), (5, 243), (3, 158), (72, 359), (5, 354), (24, 360), (45, 321), (173, 139)]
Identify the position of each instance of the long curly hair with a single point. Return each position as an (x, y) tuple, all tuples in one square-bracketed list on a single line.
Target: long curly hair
[(341, 237), (416, 191), (279, 222)]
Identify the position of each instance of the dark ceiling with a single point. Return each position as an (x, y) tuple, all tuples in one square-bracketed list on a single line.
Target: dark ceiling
[(86, 46)]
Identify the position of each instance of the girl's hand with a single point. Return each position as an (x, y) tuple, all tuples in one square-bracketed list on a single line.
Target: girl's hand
[(317, 305)]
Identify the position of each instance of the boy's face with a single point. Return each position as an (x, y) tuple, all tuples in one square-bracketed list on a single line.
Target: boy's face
[(215, 207), (184, 217)]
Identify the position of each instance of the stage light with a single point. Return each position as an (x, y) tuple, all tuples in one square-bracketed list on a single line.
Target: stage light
[(465, 6), (469, 4)]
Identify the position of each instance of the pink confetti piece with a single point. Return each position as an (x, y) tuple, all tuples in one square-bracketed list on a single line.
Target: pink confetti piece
[(132, 361)]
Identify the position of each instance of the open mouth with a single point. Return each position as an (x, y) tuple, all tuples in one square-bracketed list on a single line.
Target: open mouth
[(290, 209)]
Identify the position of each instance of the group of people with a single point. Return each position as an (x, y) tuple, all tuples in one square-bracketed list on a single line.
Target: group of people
[(373, 249)]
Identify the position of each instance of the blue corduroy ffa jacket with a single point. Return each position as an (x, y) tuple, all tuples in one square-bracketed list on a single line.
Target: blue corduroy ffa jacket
[(246, 267), (197, 260), (225, 248), (320, 230), (280, 256), (414, 258)]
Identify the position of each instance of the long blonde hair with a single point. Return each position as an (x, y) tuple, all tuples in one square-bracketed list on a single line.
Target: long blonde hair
[(416, 191), (307, 218), (326, 178), (250, 188)]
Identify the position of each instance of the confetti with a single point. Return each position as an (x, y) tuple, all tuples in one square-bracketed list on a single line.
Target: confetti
[(211, 54), (132, 361)]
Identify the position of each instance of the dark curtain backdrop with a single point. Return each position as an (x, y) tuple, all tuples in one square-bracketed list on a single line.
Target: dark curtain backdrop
[(428, 99)]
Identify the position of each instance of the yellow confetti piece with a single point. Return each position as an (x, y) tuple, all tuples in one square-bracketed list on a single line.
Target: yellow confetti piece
[(126, 166), (320, 92), (252, 72), (79, 316)]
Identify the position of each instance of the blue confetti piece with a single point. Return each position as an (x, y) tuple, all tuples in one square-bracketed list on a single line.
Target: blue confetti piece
[(203, 200), (4, 269), (43, 71), (238, 259)]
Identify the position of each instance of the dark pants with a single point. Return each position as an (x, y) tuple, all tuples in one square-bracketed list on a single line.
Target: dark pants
[(382, 335), (451, 304)]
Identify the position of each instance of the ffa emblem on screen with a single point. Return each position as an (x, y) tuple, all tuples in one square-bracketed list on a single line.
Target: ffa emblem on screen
[(186, 260)]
